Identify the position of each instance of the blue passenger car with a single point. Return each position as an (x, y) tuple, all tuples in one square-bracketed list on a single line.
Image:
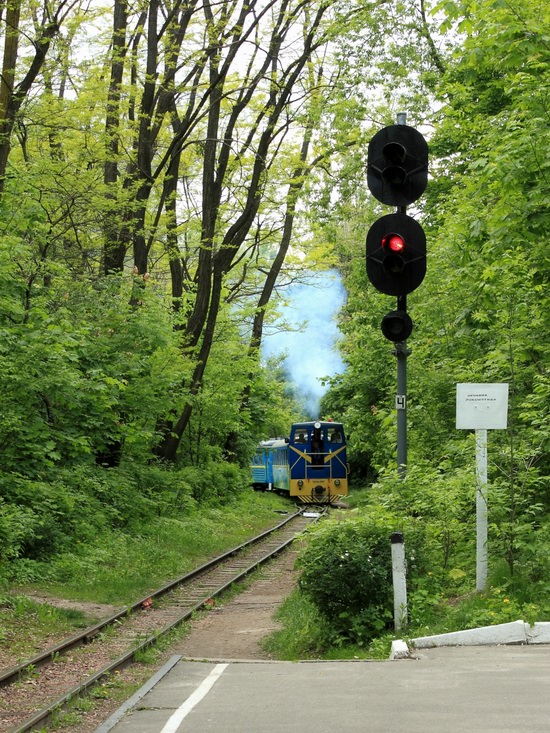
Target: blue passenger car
[(262, 467), (281, 476)]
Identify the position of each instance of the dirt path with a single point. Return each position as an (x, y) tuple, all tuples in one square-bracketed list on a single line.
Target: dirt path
[(235, 629)]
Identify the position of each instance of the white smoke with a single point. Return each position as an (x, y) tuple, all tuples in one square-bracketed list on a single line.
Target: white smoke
[(310, 347)]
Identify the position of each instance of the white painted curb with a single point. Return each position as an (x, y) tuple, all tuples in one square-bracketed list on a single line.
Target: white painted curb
[(511, 633), (515, 632), (539, 633)]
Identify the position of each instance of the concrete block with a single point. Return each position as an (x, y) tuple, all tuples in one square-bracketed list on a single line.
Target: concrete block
[(538, 633), (510, 633), (399, 650)]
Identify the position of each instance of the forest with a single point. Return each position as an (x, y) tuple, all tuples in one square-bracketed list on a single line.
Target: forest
[(169, 168)]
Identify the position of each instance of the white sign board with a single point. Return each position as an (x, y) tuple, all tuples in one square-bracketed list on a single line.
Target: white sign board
[(481, 406)]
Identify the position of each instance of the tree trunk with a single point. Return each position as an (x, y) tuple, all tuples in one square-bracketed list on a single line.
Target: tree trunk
[(116, 242), (213, 266)]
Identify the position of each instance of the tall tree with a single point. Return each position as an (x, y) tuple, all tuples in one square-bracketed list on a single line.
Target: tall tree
[(221, 239), (16, 81)]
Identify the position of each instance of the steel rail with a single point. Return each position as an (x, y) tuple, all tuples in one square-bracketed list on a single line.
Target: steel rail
[(44, 716)]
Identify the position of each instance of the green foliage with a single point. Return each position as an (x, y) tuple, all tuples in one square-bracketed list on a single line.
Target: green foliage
[(82, 369), (73, 507), (442, 502), (216, 482), (439, 614), (346, 573), (16, 527), (42, 519)]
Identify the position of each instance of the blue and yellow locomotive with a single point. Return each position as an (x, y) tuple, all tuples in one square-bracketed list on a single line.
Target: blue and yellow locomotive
[(310, 465)]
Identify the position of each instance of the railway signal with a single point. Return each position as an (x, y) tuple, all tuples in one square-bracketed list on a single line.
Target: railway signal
[(397, 165), (397, 175), (396, 254)]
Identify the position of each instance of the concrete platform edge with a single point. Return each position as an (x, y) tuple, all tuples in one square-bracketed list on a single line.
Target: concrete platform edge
[(110, 723)]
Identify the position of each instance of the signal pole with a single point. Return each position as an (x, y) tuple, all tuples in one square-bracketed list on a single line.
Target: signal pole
[(401, 352)]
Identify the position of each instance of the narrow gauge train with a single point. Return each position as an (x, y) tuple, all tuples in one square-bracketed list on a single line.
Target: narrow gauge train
[(310, 465)]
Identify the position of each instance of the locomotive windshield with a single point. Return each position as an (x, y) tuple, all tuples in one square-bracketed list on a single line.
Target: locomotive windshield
[(334, 436)]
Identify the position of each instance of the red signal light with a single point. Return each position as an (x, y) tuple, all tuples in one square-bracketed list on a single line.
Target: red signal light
[(396, 254), (395, 242)]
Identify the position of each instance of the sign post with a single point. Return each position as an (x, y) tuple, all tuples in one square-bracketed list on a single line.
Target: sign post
[(481, 407), (481, 510)]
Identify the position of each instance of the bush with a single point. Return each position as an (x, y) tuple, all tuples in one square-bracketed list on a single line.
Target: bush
[(17, 527), (43, 516), (216, 483), (347, 574), (168, 488)]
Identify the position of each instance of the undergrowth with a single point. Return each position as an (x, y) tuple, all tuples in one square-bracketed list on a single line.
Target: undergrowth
[(120, 566), (343, 608)]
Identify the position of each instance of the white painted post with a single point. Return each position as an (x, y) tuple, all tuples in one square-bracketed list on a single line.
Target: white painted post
[(399, 577), (481, 510)]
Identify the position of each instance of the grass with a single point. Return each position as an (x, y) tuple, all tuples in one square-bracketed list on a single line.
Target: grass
[(306, 634), (358, 496), (113, 688), (121, 568), (439, 602), (24, 623), (303, 630)]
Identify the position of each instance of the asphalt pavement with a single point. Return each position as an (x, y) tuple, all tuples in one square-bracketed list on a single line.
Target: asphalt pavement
[(490, 689)]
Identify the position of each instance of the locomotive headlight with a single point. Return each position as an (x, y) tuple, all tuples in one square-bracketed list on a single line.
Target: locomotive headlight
[(337, 482), (300, 483), (317, 425)]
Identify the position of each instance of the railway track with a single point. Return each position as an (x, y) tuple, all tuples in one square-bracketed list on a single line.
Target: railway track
[(32, 692)]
